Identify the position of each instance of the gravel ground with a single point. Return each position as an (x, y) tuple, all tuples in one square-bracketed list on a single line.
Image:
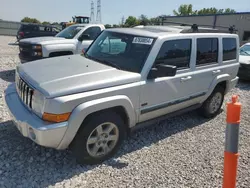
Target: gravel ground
[(185, 151)]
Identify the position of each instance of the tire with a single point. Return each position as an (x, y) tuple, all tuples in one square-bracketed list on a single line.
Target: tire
[(84, 152), (206, 109)]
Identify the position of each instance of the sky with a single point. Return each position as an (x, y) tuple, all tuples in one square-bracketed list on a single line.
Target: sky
[(112, 10)]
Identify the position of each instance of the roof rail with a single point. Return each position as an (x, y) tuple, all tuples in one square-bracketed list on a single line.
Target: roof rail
[(195, 27)]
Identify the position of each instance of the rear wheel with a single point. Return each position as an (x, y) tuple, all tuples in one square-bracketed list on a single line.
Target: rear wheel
[(99, 139), (212, 106)]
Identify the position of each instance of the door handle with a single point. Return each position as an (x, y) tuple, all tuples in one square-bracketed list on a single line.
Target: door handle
[(186, 79), (216, 71)]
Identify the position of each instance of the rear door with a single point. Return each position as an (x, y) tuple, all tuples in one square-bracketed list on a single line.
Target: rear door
[(207, 66)]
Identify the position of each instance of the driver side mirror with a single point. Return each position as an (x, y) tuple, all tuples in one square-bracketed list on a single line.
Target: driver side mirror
[(162, 70), (84, 37)]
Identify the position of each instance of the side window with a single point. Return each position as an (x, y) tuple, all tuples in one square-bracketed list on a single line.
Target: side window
[(175, 52), (93, 32), (96, 32), (207, 51), (229, 49)]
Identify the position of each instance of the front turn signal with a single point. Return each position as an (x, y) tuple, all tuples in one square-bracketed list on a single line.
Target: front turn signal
[(57, 118)]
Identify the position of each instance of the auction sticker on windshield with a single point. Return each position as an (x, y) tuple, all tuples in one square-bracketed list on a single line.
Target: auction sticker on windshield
[(142, 40)]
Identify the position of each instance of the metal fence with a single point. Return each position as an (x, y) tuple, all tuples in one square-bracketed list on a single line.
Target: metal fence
[(9, 27)]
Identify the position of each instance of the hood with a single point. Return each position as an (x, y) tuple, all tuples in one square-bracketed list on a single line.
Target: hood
[(243, 59), (47, 40), (71, 74)]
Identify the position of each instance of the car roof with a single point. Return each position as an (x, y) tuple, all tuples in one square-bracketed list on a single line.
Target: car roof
[(157, 31), (84, 25)]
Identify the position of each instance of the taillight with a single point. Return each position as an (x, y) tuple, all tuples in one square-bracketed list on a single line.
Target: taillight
[(21, 34)]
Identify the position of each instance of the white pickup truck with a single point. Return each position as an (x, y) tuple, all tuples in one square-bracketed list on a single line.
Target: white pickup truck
[(71, 40)]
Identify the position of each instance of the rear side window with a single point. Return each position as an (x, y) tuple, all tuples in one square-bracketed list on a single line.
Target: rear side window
[(207, 51), (229, 49), (175, 52)]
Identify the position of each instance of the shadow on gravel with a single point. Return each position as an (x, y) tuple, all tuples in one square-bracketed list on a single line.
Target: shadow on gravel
[(8, 75), (243, 85), (39, 166), (13, 43)]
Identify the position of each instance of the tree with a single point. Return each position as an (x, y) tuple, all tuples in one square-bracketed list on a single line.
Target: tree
[(187, 9), (131, 21), (115, 26), (30, 20), (184, 10), (46, 23), (108, 26), (143, 20)]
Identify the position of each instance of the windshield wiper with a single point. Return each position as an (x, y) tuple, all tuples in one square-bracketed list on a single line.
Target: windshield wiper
[(110, 64)]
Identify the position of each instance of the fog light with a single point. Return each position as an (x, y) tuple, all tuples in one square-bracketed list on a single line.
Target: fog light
[(32, 134)]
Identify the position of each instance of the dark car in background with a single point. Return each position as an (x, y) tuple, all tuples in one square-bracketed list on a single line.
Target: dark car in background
[(35, 30)]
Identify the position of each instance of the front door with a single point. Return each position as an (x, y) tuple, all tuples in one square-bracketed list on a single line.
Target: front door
[(167, 94), (92, 32)]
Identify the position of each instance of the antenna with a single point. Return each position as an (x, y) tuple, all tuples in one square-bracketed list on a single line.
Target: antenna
[(99, 14), (92, 15)]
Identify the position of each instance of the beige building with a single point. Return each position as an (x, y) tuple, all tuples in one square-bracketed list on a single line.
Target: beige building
[(240, 20)]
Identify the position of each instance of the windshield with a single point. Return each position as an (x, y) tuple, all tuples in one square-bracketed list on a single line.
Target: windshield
[(245, 50), (123, 51), (70, 32)]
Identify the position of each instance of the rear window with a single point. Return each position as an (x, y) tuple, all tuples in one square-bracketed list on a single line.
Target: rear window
[(28, 28), (229, 49)]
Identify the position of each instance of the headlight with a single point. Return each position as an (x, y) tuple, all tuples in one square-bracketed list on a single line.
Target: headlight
[(37, 54), (37, 47), (38, 102)]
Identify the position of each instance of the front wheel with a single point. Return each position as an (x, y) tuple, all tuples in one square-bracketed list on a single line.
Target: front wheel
[(212, 106), (99, 139)]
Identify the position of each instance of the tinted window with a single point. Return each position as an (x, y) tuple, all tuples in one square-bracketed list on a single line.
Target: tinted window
[(175, 52), (93, 32), (229, 48), (207, 51)]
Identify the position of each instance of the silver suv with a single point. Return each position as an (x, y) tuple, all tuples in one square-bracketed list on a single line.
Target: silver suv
[(127, 78)]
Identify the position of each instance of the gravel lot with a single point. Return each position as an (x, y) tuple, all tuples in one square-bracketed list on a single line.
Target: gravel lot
[(185, 151)]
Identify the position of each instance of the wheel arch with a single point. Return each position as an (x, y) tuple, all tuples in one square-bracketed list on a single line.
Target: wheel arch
[(120, 104)]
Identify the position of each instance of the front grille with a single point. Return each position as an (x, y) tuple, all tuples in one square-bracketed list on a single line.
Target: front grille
[(24, 91), (25, 49)]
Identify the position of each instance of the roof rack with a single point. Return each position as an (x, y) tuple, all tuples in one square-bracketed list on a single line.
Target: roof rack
[(195, 27)]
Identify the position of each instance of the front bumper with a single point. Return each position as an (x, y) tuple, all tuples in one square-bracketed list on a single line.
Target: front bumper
[(31, 126), (244, 72)]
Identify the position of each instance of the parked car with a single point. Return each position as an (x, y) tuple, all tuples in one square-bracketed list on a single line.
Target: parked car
[(72, 40), (244, 59), (34, 30), (90, 102)]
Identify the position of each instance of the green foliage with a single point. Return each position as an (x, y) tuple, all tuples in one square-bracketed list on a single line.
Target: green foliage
[(187, 9), (46, 23), (184, 10), (30, 20), (108, 26), (131, 21)]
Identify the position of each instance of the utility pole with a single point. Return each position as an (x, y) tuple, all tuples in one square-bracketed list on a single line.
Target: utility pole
[(92, 15), (99, 13)]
